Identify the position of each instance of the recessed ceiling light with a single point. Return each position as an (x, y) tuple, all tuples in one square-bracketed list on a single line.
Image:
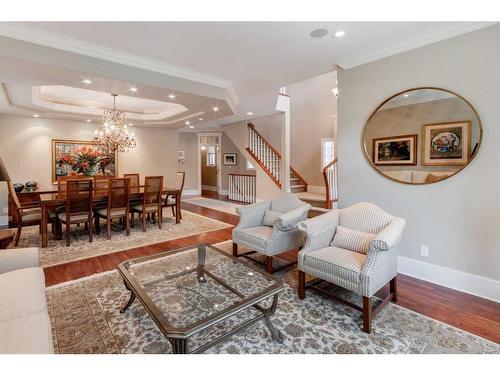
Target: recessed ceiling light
[(339, 34), (171, 96), (406, 95), (318, 33), (215, 109), (86, 81), (188, 122), (201, 119), (132, 89), (191, 127), (335, 91), (249, 113), (36, 115), (130, 124), (88, 120)]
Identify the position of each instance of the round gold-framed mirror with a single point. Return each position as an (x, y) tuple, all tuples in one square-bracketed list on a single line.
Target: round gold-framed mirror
[(422, 135)]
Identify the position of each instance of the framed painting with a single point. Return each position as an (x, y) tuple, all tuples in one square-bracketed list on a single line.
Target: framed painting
[(446, 143), (395, 150), (230, 159), (70, 158)]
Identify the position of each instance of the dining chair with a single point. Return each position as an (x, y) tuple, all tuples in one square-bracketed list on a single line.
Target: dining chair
[(117, 205), (63, 180), (169, 200), (151, 202), (101, 184), (78, 207), (135, 181)]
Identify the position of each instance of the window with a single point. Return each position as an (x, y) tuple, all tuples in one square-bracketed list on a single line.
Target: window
[(327, 151), (211, 156), (250, 165)]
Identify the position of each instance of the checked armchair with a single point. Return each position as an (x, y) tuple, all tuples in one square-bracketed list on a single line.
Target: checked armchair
[(355, 248)]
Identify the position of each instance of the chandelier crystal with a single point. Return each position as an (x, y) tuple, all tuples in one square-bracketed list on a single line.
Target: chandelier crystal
[(114, 135)]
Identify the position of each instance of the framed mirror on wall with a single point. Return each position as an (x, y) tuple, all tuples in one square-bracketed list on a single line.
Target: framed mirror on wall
[(422, 135)]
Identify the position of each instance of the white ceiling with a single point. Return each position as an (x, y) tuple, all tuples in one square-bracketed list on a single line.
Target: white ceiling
[(252, 60)]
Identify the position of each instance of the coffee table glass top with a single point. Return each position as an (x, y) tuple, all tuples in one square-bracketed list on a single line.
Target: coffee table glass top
[(190, 286)]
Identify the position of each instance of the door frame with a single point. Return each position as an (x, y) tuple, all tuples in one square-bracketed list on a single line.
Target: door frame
[(219, 167)]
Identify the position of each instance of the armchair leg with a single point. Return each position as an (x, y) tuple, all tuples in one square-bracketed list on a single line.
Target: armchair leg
[(235, 249), (367, 314), (269, 264), (302, 285), (18, 235), (393, 288)]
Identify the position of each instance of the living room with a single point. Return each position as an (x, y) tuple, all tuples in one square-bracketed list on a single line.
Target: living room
[(228, 194)]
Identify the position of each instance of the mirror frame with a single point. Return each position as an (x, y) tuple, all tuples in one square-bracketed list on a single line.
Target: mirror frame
[(365, 151)]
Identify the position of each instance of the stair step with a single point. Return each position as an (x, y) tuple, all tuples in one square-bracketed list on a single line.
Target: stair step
[(294, 179)]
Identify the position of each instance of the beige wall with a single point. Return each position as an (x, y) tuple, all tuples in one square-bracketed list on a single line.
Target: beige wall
[(270, 128), (227, 146), (457, 218), (26, 149), (313, 117)]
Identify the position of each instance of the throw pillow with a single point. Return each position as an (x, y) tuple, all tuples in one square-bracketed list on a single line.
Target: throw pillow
[(270, 217), (353, 240)]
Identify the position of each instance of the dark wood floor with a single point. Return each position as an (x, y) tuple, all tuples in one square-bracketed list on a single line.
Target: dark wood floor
[(473, 314)]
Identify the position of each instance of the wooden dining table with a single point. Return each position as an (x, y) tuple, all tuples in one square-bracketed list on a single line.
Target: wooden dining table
[(50, 200)]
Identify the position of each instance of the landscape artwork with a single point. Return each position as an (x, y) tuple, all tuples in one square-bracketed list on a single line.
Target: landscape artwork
[(395, 150), (70, 158), (446, 143)]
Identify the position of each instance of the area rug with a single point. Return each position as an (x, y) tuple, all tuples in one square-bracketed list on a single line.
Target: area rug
[(214, 204), (86, 319), (57, 252)]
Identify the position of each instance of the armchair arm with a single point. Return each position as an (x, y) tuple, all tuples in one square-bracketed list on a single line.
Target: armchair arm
[(11, 260), (389, 236), (319, 231), (289, 220), (253, 214)]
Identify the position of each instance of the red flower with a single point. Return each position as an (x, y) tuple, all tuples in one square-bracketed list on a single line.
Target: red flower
[(85, 165)]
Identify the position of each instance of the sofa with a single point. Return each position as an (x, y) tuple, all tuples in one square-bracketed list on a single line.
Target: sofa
[(418, 177), (24, 320)]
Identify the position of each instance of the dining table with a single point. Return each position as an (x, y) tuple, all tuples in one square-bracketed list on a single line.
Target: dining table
[(50, 200)]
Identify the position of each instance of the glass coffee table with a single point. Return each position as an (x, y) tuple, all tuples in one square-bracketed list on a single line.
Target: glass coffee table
[(191, 291)]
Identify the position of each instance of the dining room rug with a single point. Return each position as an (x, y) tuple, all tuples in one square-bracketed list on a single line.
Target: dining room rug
[(214, 204), (86, 319), (57, 252)]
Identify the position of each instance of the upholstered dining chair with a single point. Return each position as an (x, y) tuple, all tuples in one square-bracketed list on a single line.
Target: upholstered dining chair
[(355, 248), (169, 200), (78, 208), (117, 206), (151, 202), (270, 228)]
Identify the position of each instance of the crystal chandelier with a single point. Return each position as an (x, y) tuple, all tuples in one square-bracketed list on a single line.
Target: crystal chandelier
[(114, 135)]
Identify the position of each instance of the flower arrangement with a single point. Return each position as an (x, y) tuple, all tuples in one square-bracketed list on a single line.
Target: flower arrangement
[(86, 161)]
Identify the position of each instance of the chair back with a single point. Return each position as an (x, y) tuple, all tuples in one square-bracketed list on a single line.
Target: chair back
[(118, 194), (153, 187), (13, 195), (135, 183), (179, 180), (79, 197), (101, 184), (63, 180)]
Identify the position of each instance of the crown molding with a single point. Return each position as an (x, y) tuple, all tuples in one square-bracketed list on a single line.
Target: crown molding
[(414, 43), (67, 44)]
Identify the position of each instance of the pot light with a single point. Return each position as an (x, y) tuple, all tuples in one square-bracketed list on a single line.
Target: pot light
[(132, 89), (86, 81), (249, 113), (36, 115), (335, 91), (201, 119), (130, 124), (406, 95), (171, 96), (188, 122), (318, 33), (191, 127), (215, 109), (339, 34), (88, 120)]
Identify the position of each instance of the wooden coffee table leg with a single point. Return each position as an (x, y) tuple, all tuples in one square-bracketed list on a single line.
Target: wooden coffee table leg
[(130, 301), (275, 333)]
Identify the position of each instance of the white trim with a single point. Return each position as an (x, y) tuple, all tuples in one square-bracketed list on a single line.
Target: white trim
[(224, 192), (420, 41), (209, 188), (316, 189), (464, 282), (64, 43), (191, 192)]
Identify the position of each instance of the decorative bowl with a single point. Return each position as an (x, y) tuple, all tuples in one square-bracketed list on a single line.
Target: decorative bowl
[(18, 187), (31, 186)]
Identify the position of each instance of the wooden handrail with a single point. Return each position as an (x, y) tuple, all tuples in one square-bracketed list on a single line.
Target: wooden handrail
[(325, 177), (263, 167), (301, 180), (264, 140), (241, 174)]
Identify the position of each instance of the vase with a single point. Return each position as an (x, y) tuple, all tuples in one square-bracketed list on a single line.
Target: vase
[(31, 186), (18, 187), (92, 170)]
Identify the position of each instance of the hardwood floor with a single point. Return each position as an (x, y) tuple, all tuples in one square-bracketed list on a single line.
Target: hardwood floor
[(470, 313)]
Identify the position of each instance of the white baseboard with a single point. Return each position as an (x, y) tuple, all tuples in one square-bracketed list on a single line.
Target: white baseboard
[(315, 189), (224, 192), (208, 187), (464, 282), (191, 192)]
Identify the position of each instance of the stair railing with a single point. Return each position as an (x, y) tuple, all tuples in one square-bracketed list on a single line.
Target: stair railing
[(242, 187), (330, 177)]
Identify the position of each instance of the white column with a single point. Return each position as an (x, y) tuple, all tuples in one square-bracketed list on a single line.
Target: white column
[(283, 105)]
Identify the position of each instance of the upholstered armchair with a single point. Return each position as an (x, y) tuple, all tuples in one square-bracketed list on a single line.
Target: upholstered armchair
[(270, 228), (355, 248)]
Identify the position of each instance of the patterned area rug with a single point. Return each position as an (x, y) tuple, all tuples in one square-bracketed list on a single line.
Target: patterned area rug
[(214, 204), (57, 252), (86, 319)]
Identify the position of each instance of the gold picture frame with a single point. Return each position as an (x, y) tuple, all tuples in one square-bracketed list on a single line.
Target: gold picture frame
[(446, 143), (411, 139), (64, 153)]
